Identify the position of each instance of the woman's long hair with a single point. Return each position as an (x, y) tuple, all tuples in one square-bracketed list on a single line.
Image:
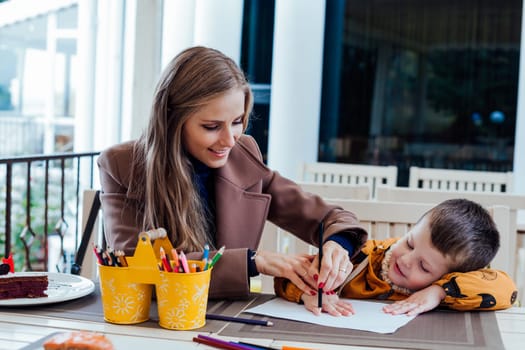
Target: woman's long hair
[(193, 78)]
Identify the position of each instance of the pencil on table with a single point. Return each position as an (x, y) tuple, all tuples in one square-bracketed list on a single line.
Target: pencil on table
[(239, 320)]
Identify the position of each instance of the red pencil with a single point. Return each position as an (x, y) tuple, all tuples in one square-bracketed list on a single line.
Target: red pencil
[(97, 254), (165, 261)]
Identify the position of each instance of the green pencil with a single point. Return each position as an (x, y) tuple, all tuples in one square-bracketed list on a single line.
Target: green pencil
[(216, 257)]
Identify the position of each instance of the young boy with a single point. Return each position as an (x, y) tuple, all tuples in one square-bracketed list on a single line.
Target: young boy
[(440, 261)]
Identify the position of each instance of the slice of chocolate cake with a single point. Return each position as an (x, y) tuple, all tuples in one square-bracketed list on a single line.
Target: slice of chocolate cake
[(23, 286)]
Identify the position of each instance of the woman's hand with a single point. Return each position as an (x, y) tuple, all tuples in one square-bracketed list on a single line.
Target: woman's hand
[(421, 301), (331, 304), (335, 267), (293, 267)]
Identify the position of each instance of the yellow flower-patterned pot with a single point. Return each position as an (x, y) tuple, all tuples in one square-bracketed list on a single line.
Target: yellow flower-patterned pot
[(123, 301)]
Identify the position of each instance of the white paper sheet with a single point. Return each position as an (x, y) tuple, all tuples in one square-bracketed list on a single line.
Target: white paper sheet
[(368, 316)]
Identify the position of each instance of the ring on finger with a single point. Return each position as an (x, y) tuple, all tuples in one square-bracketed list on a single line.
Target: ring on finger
[(342, 270)]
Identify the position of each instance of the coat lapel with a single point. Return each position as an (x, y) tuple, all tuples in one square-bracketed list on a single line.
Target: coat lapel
[(241, 207)]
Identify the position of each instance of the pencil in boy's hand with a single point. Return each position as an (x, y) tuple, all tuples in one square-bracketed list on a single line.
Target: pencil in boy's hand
[(320, 290)]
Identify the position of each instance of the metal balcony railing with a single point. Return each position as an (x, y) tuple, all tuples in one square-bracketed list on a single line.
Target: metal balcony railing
[(40, 208)]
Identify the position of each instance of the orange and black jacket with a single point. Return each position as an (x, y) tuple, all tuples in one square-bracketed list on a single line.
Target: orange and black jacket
[(484, 289)]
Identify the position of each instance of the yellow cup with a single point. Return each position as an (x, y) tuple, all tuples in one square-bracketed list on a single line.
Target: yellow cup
[(123, 300), (182, 298)]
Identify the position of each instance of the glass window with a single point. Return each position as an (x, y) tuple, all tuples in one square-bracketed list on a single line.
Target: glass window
[(37, 85), (426, 83), (256, 61)]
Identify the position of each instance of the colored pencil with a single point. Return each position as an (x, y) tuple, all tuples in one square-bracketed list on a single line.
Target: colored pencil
[(215, 258), (184, 262), (239, 320), (218, 343), (205, 254), (165, 261), (257, 346)]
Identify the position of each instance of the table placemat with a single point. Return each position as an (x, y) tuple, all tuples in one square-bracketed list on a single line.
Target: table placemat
[(438, 329), (433, 330), (89, 308)]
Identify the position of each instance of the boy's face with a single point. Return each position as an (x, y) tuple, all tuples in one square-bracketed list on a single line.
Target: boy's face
[(415, 263)]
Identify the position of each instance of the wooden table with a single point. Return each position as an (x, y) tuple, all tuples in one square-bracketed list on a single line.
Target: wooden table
[(18, 329)]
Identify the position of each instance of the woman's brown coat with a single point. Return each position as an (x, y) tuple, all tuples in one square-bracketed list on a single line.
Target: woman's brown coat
[(247, 194)]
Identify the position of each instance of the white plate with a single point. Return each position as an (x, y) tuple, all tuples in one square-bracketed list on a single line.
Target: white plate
[(62, 287)]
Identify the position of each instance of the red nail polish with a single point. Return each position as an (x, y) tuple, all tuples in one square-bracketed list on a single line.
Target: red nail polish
[(312, 293), (321, 285), (316, 277)]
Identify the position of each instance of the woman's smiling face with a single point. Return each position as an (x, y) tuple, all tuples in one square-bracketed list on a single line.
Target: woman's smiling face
[(415, 262), (213, 130)]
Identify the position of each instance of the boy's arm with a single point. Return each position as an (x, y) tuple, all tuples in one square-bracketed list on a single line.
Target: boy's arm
[(484, 289), (285, 289)]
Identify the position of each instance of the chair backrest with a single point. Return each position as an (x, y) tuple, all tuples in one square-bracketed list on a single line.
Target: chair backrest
[(92, 233), (341, 191), (381, 219), (349, 174), (461, 180), (507, 256)]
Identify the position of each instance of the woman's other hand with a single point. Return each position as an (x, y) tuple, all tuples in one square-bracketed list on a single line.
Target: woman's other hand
[(293, 267)]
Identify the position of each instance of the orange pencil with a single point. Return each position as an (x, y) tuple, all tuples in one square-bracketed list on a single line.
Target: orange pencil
[(175, 259), (122, 258), (193, 267)]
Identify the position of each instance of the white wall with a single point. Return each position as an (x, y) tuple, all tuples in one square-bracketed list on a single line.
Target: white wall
[(296, 85)]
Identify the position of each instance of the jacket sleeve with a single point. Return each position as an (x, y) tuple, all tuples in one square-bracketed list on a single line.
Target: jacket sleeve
[(285, 289), (484, 289), (300, 212), (122, 217)]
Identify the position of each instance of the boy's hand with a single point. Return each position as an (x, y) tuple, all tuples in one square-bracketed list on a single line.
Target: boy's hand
[(421, 301), (331, 305)]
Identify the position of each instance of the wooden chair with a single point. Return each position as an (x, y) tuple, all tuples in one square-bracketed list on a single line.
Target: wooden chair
[(92, 232), (341, 191), (349, 174), (381, 219), (461, 180), (507, 256)]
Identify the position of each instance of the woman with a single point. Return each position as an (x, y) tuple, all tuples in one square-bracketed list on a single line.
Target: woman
[(194, 173)]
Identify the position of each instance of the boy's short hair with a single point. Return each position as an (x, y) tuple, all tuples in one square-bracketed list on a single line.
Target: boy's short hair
[(464, 231)]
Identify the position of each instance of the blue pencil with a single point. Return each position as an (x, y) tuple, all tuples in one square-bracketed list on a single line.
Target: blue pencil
[(205, 254)]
